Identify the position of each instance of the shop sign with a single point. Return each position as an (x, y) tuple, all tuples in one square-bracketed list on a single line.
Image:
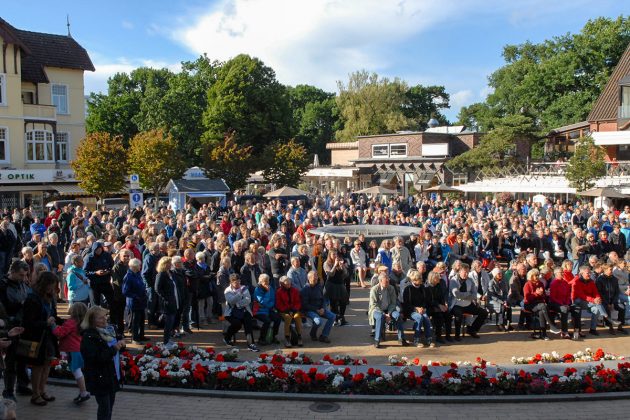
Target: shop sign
[(29, 176)]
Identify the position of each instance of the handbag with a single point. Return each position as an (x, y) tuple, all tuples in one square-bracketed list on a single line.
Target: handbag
[(238, 313), (29, 349)]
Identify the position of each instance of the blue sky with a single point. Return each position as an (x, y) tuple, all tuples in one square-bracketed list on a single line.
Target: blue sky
[(455, 43)]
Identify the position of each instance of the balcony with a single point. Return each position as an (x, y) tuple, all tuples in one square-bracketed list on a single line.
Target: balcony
[(39, 112), (623, 112)]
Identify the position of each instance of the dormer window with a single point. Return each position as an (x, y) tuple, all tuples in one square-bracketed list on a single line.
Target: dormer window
[(624, 105)]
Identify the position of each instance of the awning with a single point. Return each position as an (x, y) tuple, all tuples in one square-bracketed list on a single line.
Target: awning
[(200, 195), (70, 189), (522, 184), (331, 172), (611, 138)]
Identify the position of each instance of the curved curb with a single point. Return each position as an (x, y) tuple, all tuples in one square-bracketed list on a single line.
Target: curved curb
[(463, 399)]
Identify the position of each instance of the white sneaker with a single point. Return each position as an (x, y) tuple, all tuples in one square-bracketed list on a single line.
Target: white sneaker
[(554, 330), (615, 323)]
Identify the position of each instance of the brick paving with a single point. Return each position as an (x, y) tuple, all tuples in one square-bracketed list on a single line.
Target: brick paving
[(134, 406)]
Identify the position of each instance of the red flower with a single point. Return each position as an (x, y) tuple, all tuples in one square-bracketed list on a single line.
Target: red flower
[(416, 361), (187, 365), (263, 369), (346, 371), (493, 381), (219, 358), (180, 345), (210, 349), (370, 371), (222, 375), (358, 377), (263, 356), (163, 373), (425, 369), (251, 381), (339, 362), (312, 371), (320, 377), (453, 365), (377, 372), (590, 390), (294, 354), (555, 379)]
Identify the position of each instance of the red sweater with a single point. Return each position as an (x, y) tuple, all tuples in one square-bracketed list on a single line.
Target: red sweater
[(68, 335), (529, 292), (586, 291), (560, 292), (288, 300)]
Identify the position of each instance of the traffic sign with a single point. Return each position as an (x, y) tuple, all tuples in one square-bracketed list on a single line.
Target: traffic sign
[(134, 181), (136, 199)]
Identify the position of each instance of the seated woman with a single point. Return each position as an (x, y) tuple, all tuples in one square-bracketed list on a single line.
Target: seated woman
[(416, 304), (497, 300), (438, 310), (238, 312), (265, 310), (585, 296), (535, 302), (560, 302), (289, 304)]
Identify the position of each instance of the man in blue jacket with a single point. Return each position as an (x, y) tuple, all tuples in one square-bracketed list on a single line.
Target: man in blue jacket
[(313, 306), (149, 273)]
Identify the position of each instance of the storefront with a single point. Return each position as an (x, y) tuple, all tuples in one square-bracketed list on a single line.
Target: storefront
[(32, 187)]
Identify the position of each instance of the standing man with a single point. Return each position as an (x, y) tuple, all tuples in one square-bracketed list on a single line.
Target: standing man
[(98, 268), (149, 273)]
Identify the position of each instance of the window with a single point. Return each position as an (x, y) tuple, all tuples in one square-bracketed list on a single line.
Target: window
[(4, 144), (60, 98), (398, 150), (624, 109), (28, 97), (380, 150), (459, 178), (3, 89), (39, 146), (62, 147)]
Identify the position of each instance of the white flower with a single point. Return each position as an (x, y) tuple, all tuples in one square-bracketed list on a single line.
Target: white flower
[(184, 381), (337, 380)]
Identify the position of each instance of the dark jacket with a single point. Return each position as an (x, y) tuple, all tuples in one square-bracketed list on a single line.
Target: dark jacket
[(134, 290), (35, 323), (608, 289), (12, 295), (94, 262), (312, 298), (98, 368), (246, 275), (415, 297), (149, 265), (436, 294), (165, 287)]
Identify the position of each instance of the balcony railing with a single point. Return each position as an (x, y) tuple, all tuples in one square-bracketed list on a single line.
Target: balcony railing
[(624, 112), (40, 111)]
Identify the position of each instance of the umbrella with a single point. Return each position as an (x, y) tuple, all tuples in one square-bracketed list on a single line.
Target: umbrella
[(285, 192), (443, 188), (539, 198), (602, 192), (377, 190)]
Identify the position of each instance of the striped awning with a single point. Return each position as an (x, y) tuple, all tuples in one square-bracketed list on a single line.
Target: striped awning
[(70, 189)]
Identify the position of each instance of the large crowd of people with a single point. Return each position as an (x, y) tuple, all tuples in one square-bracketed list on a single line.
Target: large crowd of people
[(257, 266)]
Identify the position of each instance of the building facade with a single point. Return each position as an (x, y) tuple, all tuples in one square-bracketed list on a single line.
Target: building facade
[(42, 114)]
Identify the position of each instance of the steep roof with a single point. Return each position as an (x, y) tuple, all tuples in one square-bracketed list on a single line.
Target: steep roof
[(200, 185), (605, 108), (40, 50)]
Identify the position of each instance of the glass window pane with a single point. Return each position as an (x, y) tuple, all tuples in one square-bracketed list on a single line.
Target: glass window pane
[(49, 151), (39, 151)]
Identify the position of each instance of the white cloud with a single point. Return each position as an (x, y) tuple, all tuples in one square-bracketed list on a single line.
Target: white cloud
[(461, 98), (97, 81), (313, 41), (127, 24)]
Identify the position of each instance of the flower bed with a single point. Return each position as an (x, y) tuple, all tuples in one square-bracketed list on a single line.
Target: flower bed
[(290, 373), (394, 360), (587, 355)]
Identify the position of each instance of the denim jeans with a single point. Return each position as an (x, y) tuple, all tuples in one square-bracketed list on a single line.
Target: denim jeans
[(596, 310), (420, 322), (625, 300), (319, 319), (379, 324)]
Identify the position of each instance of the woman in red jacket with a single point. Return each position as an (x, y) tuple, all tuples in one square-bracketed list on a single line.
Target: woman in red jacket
[(585, 296), (535, 301), (69, 335), (560, 302), (289, 304)]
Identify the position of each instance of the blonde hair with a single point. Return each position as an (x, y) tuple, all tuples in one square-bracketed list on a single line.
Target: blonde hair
[(163, 265), (88, 319)]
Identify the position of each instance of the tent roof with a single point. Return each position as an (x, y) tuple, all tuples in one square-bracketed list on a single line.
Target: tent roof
[(199, 185)]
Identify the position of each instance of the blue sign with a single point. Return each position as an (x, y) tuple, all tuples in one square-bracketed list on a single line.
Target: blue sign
[(135, 197)]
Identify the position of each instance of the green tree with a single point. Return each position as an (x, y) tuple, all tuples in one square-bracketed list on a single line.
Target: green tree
[(153, 156), (247, 99), (101, 164), (586, 165), (371, 105), (557, 80), (288, 161), (230, 162), (179, 110), (119, 111), (423, 103), (497, 148)]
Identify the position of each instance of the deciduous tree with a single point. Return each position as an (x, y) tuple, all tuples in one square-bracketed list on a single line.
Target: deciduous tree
[(101, 164), (288, 161), (230, 162), (586, 165), (154, 156)]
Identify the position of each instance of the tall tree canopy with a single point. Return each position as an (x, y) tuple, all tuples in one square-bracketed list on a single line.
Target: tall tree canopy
[(247, 99), (557, 80)]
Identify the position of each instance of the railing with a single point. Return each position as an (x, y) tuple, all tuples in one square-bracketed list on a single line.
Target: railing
[(615, 169), (40, 111)]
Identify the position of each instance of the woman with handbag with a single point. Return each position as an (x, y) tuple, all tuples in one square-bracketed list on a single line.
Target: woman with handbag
[(39, 319), (99, 348), (238, 312)]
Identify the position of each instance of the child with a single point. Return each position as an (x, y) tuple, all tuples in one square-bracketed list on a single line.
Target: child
[(69, 336)]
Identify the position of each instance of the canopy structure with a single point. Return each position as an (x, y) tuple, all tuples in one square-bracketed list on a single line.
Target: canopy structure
[(286, 192), (182, 191), (377, 190), (443, 188), (602, 192)]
